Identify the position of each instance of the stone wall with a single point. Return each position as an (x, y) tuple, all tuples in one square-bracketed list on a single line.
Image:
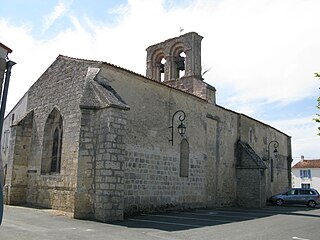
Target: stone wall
[(100, 184), (259, 136), (18, 157), (60, 87), (152, 183), (227, 136), (251, 177), (152, 179)]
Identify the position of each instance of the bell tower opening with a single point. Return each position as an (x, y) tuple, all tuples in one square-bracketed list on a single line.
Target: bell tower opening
[(161, 69), (181, 65)]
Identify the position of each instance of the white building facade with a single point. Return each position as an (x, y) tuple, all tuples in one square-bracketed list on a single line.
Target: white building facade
[(306, 174)]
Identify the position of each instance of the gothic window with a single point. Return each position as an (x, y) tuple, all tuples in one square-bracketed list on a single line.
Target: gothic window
[(56, 151), (52, 143), (184, 158)]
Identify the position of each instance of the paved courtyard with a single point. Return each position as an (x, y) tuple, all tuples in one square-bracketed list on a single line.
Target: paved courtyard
[(298, 223)]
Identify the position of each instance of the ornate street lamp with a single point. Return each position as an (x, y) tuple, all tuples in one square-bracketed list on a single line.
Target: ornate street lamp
[(275, 151), (181, 128)]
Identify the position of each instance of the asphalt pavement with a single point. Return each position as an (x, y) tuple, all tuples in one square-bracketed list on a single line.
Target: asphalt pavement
[(292, 223)]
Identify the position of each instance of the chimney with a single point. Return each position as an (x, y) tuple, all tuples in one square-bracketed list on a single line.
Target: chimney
[(302, 158)]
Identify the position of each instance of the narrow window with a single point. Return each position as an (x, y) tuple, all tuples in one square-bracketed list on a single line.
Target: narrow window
[(271, 166), (52, 143), (56, 153), (6, 137), (184, 158), (250, 136)]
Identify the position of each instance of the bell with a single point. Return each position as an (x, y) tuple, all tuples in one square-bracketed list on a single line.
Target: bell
[(161, 67), (180, 64)]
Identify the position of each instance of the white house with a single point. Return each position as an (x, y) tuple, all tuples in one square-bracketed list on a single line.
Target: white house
[(306, 174)]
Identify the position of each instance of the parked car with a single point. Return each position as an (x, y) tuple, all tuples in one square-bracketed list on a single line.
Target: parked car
[(309, 197)]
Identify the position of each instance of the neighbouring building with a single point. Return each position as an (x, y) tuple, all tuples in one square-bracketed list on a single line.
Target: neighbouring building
[(306, 174), (101, 141)]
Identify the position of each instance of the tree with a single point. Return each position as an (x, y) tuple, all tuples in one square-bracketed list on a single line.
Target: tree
[(317, 119)]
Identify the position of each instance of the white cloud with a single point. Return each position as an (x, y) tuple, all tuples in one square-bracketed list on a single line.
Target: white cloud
[(303, 131), (58, 11)]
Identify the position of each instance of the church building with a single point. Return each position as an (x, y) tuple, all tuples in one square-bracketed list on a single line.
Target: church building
[(103, 142)]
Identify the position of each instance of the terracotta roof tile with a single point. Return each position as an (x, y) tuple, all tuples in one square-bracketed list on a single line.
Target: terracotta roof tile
[(308, 164)]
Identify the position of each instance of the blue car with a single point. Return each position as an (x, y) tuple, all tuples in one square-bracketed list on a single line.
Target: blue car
[(309, 197)]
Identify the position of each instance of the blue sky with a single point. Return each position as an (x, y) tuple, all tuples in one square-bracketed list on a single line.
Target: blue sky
[(261, 54)]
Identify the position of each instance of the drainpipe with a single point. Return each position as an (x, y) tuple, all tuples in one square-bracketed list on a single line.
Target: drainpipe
[(5, 94), (9, 65)]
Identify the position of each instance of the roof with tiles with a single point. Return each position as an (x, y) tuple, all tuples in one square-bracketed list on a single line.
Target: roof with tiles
[(308, 164)]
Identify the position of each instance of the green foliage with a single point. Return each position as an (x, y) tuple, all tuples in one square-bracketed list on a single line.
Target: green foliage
[(317, 119)]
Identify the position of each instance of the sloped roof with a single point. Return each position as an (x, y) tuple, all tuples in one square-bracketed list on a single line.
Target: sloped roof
[(5, 47), (254, 161), (131, 72), (99, 94), (308, 164)]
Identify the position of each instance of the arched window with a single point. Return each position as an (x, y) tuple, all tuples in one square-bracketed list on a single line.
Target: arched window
[(179, 57), (181, 68), (159, 65), (161, 70), (52, 143), (56, 151), (184, 158)]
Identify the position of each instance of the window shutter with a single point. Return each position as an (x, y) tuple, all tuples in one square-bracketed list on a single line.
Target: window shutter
[(309, 173), (301, 172)]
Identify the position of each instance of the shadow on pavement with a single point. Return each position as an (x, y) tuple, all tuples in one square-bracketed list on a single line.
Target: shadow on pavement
[(177, 221)]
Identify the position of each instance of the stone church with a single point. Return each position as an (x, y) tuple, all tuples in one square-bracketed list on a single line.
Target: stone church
[(103, 142)]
